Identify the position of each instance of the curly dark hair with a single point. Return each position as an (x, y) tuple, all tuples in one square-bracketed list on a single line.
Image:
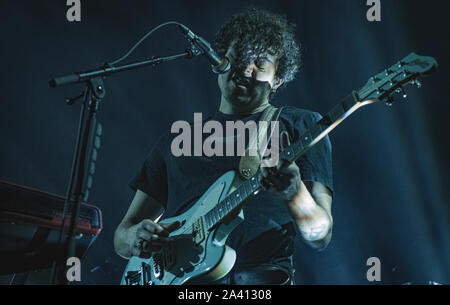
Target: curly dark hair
[(256, 31)]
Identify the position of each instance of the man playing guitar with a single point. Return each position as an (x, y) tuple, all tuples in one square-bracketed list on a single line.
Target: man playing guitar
[(296, 200)]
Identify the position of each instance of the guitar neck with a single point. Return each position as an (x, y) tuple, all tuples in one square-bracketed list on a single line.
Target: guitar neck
[(323, 127), (307, 140)]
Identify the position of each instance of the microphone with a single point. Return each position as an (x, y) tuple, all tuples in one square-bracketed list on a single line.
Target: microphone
[(218, 64)]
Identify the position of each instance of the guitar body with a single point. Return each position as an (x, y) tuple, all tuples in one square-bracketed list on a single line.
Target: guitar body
[(194, 254)]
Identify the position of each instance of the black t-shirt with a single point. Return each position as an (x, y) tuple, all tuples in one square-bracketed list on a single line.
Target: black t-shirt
[(176, 182)]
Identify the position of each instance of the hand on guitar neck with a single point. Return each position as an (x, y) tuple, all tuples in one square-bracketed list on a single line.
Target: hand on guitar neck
[(284, 179)]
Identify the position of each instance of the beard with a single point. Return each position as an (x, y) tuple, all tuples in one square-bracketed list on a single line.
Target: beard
[(246, 93)]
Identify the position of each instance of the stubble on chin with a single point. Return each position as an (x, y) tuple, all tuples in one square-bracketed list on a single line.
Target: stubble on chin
[(249, 100)]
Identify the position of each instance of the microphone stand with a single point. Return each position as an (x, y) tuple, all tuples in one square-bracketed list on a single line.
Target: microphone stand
[(86, 148)]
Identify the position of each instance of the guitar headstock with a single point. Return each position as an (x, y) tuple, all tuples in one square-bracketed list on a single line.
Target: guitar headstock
[(406, 71)]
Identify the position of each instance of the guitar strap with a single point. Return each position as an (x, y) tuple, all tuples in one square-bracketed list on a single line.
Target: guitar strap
[(251, 160)]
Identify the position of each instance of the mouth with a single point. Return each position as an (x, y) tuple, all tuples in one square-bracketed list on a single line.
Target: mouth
[(241, 83)]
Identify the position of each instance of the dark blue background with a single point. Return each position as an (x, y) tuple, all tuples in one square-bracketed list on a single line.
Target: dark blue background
[(391, 168)]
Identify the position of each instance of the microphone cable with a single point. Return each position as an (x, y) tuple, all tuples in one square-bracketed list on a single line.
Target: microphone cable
[(143, 38)]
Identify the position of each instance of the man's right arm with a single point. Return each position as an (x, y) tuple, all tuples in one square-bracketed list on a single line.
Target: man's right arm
[(138, 225)]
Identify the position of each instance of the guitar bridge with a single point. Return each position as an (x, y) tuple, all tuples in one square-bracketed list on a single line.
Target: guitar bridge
[(133, 277), (139, 277)]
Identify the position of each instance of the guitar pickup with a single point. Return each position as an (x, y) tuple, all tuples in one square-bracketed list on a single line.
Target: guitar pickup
[(158, 270), (146, 274), (169, 255), (198, 231)]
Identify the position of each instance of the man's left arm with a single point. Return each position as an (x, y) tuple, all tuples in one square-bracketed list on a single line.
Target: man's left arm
[(309, 201), (311, 209)]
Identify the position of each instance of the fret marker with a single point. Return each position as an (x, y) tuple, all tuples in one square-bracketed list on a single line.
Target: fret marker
[(306, 138)]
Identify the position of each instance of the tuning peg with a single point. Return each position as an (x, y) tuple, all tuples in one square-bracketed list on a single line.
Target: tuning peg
[(402, 92), (389, 101), (418, 83)]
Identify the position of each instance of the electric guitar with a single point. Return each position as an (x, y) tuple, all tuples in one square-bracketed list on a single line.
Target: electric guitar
[(196, 251)]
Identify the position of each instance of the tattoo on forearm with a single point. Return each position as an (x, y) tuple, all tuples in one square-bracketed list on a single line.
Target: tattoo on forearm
[(314, 233)]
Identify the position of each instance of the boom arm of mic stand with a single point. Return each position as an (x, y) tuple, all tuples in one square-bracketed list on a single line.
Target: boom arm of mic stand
[(108, 70)]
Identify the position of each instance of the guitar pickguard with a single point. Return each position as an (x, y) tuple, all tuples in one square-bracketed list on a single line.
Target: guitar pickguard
[(194, 253)]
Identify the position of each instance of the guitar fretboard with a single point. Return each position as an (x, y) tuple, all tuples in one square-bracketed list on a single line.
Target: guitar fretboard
[(307, 140)]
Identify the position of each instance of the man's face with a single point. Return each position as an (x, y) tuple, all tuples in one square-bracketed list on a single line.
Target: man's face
[(248, 84)]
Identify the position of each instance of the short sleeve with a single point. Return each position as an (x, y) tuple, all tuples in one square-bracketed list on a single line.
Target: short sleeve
[(151, 178), (316, 164)]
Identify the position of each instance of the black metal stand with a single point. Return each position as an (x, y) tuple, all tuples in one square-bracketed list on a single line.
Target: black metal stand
[(89, 129), (78, 186), (108, 70)]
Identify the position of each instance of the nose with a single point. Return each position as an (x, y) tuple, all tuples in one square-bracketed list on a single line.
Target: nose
[(249, 70)]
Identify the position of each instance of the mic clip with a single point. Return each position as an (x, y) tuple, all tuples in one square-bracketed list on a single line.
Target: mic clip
[(194, 51)]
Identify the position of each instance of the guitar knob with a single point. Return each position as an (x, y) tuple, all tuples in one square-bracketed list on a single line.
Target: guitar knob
[(418, 83)]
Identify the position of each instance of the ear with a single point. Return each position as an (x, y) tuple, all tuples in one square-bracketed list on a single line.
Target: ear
[(277, 83)]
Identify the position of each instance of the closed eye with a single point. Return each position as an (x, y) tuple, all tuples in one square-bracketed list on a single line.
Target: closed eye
[(263, 63)]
